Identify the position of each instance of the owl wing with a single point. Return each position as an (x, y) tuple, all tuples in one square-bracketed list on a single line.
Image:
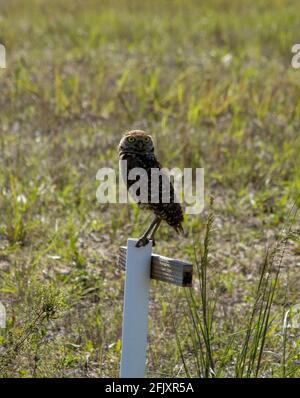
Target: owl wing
[(170, 211)]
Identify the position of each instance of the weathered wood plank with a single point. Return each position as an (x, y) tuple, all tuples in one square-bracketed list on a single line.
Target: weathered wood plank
[(164, 269)]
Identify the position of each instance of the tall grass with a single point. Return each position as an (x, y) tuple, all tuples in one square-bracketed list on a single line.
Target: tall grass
[(242, 353), (201, 311)]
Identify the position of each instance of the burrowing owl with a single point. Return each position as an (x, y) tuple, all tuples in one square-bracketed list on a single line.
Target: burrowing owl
[(138, 149)]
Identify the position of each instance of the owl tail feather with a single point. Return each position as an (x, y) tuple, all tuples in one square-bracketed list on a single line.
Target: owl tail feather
[(179, 229)]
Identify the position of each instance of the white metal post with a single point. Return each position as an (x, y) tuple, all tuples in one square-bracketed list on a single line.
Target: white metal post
[(135, 312)]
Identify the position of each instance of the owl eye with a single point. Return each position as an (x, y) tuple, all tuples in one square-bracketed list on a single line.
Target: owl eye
[(147, 139), (130, 139)]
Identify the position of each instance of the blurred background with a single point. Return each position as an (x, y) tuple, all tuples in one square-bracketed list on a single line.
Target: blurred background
[(212, 81)]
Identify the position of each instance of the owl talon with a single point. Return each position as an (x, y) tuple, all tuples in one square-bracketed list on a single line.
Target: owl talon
[(143, 241)]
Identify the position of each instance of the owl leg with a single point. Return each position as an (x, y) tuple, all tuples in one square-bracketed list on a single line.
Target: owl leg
[(154, 230), (144, 240)]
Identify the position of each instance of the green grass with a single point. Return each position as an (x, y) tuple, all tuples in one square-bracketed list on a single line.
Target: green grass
[(214, 85)]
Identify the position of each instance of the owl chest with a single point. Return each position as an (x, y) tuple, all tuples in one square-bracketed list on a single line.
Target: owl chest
[(144, 162)]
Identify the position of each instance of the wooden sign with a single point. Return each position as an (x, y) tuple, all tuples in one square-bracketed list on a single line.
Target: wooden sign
[(165, 269)]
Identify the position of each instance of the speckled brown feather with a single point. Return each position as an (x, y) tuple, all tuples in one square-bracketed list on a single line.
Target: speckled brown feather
[(170, 212)]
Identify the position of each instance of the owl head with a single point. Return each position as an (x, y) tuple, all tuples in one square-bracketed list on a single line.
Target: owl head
[(136, 141)]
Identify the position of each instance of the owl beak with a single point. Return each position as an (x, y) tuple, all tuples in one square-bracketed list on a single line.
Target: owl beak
[(141, 145)]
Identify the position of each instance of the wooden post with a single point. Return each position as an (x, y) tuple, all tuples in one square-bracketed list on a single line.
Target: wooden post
[(141, 266), (135, 313)]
